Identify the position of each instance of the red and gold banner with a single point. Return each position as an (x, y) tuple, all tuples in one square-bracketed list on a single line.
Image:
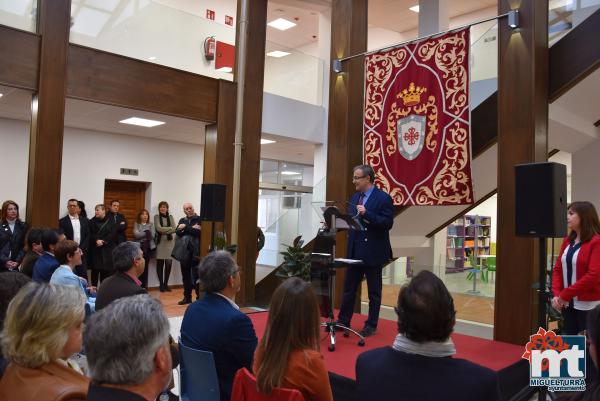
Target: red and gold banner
[(416, 129)]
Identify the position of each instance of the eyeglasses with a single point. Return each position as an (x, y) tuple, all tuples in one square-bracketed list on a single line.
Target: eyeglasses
[(355, 178)]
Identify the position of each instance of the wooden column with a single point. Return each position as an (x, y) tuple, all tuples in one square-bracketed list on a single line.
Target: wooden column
[(344, 138), (522, 138), (218, 157), (48, 111), (252, 98)]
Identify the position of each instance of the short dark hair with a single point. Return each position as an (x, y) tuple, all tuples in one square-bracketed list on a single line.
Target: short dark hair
[(366, 170), (64, 249), (49, 237), (425, 309), (138, 218), (215, 269), (124, 255), (34, 236), (163, 203), (73, 200), (10, 284), (115, 200)]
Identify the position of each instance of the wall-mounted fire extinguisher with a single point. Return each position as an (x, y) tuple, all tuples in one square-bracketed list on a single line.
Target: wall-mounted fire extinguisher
[(209, 48)]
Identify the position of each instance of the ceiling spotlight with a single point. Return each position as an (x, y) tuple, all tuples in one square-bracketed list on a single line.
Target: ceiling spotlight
[(513, 19), (266, 141), (152, 58), (1, 94), (224, 69), (142, 122), (414, 9), (278, 54), (282, 24)]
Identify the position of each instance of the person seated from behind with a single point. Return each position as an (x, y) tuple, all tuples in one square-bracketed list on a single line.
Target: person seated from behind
[(128, 262), (41, 332), (10, 284), (289, 353), (34, 249), (420, 364), (46, 263), (69, 255), (134, 364), (215, 322)]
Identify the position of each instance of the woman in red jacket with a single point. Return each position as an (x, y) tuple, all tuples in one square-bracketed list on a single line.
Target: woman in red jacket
[(576, 275)]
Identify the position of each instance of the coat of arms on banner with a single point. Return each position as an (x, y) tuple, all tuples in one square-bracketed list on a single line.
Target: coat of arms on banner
[(417, 121)]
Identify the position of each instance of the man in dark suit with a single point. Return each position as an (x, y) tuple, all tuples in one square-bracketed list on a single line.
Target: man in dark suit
[(46, 264), (375, 210), (129, 263), (76, 228), (134, 364), (215, 322), (119, 220), (420, 363), (186, 250)]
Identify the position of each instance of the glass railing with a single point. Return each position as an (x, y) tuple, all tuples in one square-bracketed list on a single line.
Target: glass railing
[(281, 223), (293, 74), (564, 15), (19, 14), (484, 62), (158, 31)]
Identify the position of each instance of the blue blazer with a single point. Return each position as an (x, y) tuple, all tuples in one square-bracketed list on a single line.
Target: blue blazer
[(373, 245), (213, 324), (44, 266), (384, 374)]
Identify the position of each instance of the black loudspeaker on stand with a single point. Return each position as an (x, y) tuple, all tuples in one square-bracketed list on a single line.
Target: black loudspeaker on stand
[(212, 206), (541, 212)]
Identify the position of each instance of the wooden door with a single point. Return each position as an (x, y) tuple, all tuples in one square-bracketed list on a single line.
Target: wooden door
[(131, 196)]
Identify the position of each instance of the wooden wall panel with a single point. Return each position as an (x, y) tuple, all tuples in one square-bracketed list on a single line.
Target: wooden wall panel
[(344, 140), (522, 138), (103, 77), (20, 60), (251, 131), (218, 157), (47, 126)]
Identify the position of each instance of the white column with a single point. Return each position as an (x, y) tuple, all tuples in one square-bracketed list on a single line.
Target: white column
[(433, 16)]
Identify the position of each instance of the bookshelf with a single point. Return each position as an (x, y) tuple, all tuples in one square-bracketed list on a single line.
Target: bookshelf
[(468, 236)]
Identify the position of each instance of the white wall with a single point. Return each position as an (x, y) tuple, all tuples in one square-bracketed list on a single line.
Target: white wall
[(584, 178), (14, 142), (296, 76)]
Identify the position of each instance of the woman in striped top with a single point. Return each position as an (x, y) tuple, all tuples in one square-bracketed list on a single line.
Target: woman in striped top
[(576, 275)]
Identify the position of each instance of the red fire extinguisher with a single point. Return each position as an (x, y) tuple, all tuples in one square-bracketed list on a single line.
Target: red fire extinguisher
[(209, 48)]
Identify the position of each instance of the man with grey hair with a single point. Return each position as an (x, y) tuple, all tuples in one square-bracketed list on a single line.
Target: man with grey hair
[(186, 250), (216, 324), (135, 364), (129, 264)]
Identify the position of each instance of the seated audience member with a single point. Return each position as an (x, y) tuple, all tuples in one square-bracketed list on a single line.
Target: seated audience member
[(420, 364), (215, 322), (34, 250), (592, 392), (42, 330), (46, 263), (69, 256), (289, 353), (129, 264), (12, 236), (10, 284), (134, 365)]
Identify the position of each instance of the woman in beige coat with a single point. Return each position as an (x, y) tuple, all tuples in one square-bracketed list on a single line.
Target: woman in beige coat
[(165, 227)]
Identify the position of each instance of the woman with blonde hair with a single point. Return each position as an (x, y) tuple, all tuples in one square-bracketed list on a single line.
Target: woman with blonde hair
[(288, 355), (42, 330)]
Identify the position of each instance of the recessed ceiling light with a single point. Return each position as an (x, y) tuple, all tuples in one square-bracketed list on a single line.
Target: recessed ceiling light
[(278, 54), (143, 122), (152, 58), (266, 141), (1, 94), (286, 172), (414, 8), (225, 69), (282, 24)]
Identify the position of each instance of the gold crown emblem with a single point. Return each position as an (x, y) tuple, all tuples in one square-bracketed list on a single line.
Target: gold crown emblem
[(412, 95)]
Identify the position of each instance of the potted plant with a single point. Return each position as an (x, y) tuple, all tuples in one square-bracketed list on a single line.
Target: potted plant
[(296, 262), (222, 245)]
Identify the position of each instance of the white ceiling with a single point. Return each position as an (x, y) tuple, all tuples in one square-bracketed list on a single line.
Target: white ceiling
[(306, 19)]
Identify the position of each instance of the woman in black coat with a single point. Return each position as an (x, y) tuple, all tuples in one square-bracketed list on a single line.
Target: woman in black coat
[(12, 236), (103, 239)]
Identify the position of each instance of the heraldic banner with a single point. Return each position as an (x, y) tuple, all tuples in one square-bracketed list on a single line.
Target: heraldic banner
[(416, 130)]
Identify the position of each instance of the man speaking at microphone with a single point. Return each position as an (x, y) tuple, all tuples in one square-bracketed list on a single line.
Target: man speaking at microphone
[(375, 210)]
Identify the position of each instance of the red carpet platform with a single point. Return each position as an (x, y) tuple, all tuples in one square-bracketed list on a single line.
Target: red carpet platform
[(503, 358)]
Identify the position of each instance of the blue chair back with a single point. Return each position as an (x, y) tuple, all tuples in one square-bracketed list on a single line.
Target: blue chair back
[(198, 376)]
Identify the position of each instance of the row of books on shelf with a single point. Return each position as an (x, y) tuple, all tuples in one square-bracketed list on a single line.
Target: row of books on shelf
[(475, 231), (469, 252), (478, 220), (454, 243)]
